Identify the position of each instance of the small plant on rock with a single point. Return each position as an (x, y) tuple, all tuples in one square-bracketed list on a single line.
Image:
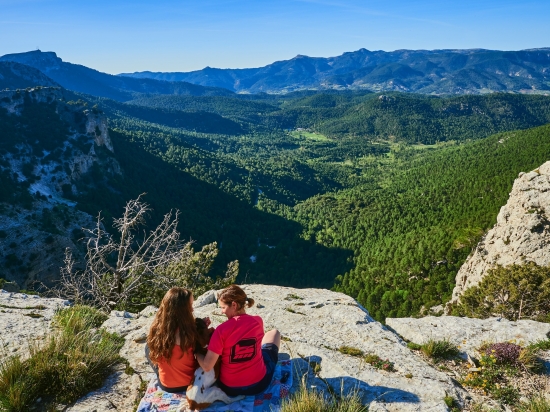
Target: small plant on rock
[(439, 349), (348, 350), (379, 363), (413, 346), (536, 404), (505, 353)]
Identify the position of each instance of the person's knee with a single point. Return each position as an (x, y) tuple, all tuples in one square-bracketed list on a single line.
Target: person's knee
[(273, 336)]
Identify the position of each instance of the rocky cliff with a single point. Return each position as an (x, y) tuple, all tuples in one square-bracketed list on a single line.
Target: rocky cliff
[(315, 324), (49, 148), (521, 234)]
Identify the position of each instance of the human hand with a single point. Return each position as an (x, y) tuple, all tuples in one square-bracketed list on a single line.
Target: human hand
[(207, 321)]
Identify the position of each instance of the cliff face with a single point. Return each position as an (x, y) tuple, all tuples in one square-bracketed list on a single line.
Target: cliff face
[(521, 234), (50, 147)]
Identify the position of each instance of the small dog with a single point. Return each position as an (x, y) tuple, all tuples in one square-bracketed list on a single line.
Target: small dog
[(202, 392)]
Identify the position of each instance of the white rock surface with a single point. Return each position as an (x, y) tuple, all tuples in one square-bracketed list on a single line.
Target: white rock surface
[(23, 319), (469, 334), (329, 321), (314, 324), (119, 393), (521, 234), (322, 322)]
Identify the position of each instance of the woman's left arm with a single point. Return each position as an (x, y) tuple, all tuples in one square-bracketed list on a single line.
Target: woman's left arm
[(207, 361)]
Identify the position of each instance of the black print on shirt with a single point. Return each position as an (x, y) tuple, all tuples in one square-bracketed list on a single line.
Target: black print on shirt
[(243, 351)]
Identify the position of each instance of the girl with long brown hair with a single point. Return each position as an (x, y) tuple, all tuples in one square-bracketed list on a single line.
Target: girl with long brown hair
[(171, 341), (248, 355)]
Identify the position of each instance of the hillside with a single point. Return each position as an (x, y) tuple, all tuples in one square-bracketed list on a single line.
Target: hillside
[(52, 148), (397, 117), (85, 80), (439, 72), (413, 226), (300, 188), (19, 76)]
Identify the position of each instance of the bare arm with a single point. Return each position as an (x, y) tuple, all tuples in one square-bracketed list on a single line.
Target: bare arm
[(207, 362)]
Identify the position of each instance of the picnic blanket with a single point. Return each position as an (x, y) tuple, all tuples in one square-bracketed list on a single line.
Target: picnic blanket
[(156, 400)]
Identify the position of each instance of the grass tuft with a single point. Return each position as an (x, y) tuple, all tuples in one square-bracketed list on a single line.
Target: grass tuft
[(348, 350), (307, 400), (439, 349), (413, 346), (78, 318), (536, 404), (71, 362), (540, 345)]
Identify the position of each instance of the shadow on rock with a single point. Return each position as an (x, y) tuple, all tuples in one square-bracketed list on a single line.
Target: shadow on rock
[(307, 371)]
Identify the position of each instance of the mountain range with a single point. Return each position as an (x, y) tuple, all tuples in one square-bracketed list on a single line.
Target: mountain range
[(437, 72), (420, 71), (85, 80)]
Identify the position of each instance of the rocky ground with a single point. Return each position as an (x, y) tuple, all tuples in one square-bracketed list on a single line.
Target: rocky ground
[(315, 324), (470, 335)]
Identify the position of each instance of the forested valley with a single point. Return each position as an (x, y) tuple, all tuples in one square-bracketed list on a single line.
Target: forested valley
[(380, 196)]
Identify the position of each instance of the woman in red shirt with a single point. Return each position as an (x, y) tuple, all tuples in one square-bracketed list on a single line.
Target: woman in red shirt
[(171, 341), (248, 356)]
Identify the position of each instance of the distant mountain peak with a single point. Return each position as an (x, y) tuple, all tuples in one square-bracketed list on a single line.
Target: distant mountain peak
[(35, 58)]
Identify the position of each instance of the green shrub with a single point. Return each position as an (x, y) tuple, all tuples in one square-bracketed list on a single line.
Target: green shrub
[(439, 349), (507, 394), (71, 362), (513, 292), (449, 401)]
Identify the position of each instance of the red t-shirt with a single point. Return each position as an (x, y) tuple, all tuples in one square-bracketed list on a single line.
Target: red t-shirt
[(180, 370), (239, 343)]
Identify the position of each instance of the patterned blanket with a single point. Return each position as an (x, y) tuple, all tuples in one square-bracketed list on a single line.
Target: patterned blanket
[(156, 400)]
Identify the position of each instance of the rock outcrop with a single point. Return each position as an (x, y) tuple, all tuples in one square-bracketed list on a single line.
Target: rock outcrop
[(35, 237), (469, 334), (315, 324), (521, 234), (24, 319)]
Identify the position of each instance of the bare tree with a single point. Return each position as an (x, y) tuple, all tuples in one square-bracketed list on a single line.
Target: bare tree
[(118, 270)]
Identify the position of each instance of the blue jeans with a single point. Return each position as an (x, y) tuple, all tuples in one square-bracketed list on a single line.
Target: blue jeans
[(270, 354)]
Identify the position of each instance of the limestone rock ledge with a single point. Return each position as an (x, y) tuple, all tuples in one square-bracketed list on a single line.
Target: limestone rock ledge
[(521, 234), (469, 334), (314, 324), (24, 319)]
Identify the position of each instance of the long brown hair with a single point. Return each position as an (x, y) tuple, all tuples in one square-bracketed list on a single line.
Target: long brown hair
[(175, 315), (235, 294)]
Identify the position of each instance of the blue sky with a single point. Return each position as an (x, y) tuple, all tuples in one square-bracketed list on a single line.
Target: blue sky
[(167, 35)]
